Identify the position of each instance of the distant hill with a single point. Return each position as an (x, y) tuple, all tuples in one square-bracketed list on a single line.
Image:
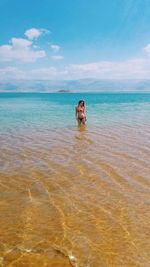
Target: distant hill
[(75, 85), (64, 91)]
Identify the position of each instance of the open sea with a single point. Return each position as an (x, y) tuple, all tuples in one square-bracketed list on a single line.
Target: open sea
[(69, 195)]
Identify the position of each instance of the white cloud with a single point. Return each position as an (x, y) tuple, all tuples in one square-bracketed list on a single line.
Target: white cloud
[(34, 33), (50, 73), (21, 50), (133, 68), (58, 57), (55, 48), (130, 69), (147, 49), (11, 73), (20, 42), (44, 73)]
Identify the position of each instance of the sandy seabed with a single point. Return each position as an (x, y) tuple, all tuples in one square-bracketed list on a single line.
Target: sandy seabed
[(75, 197)]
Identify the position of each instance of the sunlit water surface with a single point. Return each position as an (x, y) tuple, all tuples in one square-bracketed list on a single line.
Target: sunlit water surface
[(74, 196)]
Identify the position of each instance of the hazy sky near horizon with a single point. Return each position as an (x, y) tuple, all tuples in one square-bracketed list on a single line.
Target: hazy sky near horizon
[(74, 39)]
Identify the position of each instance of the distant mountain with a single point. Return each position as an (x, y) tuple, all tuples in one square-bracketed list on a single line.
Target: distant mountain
[(75, 85)]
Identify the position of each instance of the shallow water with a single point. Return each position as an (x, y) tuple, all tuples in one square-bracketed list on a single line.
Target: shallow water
[(74, 196)]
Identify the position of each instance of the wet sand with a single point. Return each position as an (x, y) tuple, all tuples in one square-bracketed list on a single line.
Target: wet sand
[(75, 197)]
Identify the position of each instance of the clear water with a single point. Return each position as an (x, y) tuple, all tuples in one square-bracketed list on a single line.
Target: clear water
[(30, 110), (74, 196)]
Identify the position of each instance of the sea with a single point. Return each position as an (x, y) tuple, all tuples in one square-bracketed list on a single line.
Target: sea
[(75, 195)]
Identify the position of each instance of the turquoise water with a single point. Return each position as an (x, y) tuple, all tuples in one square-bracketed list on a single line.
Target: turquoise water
[(26, 111)]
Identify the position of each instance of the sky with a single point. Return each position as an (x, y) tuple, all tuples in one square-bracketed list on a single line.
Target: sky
[(74, 39)]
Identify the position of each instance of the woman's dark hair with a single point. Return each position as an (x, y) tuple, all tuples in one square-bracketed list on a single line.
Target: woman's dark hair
[(81, 102)]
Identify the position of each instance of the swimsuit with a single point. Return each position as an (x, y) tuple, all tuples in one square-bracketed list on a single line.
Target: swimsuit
[(80, 119), (81, 110)]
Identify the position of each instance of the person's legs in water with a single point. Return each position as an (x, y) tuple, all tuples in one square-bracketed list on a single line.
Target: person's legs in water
[(81, 121)]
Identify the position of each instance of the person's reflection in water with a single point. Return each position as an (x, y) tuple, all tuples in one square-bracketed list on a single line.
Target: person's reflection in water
[(82, 141), (82, 131)]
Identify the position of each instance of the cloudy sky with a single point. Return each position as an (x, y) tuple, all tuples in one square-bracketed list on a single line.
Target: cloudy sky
[(74, 39)]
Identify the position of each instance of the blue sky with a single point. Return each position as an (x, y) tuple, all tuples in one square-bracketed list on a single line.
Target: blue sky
[(74, 39)]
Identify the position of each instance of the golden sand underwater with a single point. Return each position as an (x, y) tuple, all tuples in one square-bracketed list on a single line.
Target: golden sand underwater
[(75, 197)]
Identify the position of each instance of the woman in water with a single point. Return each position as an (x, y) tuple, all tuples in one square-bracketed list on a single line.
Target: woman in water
[(80, 113)]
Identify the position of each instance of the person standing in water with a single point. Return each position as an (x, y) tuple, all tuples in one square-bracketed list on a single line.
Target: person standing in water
[(80, 113)]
